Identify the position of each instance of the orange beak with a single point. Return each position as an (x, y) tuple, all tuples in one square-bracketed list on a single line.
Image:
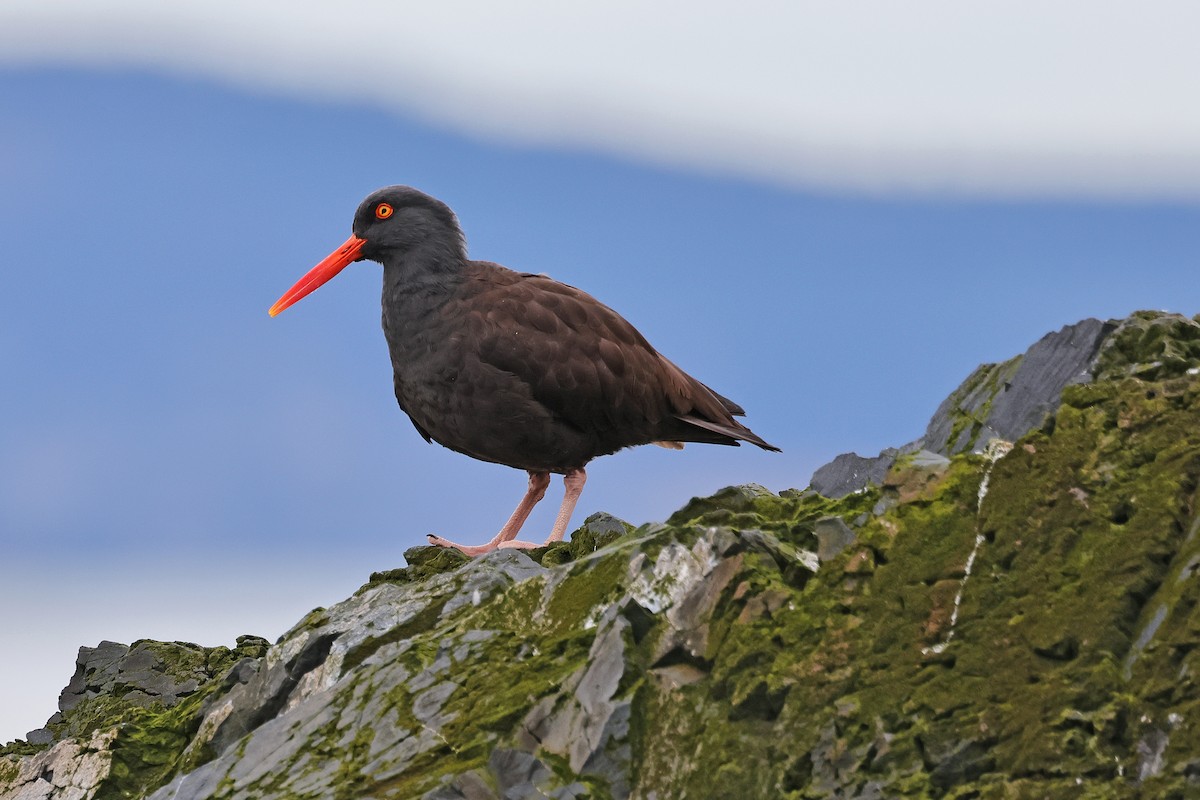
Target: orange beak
[(334, 263)]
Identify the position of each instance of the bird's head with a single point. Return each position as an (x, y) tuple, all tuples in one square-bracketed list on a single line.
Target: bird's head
[(397, 219), (390, 223)]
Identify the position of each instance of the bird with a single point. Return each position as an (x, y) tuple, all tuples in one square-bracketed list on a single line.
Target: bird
[(512, 367)]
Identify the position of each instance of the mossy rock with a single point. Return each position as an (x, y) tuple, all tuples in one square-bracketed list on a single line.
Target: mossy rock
[(1007, 625), (1151, 345)]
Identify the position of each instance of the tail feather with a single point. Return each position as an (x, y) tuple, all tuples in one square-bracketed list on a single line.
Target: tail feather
[(730, 406), (733, 431), (699, 406)]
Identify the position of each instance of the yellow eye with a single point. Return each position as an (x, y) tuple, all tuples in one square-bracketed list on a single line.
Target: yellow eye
[(383, 210)]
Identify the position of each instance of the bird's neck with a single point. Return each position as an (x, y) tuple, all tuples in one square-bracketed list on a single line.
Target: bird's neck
[(431, 267)]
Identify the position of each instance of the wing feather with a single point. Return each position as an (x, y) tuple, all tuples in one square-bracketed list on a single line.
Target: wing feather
[(590, 367)]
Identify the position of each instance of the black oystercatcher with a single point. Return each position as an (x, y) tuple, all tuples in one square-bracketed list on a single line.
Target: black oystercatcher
[(511, 367)]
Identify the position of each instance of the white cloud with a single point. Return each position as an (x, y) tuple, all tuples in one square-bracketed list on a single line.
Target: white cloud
[(1011, 98)]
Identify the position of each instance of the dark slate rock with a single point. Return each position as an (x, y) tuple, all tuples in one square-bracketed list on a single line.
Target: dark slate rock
[(39, 737), (834, 766), (850, 472), (140, 673), (958, 421), (1008, 400), (95, 669), (1056, 361), (1005, 401)]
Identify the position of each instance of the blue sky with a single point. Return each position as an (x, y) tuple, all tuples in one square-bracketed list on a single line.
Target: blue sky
[(175, 464)]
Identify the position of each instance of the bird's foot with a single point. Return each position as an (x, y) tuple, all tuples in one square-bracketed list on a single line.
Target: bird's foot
[(517, 544), (467, 549)]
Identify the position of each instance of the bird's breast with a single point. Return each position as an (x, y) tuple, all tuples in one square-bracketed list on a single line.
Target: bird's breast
[(460, 400)]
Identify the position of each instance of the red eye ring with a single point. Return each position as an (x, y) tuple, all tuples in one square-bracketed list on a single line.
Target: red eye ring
[(384, 210)]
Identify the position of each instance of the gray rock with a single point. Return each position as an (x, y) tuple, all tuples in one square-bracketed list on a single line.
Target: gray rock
[(850, 472), (601, 523), (959, 420), (467, 786), (427, 705), (138, 674), (491, 573), (736, 499), (263, 694), (1055, 362), (335, 670), (926, 459), (587, 723), (313, 656), (1010, 399), (675, 658), (39, 737), (70, 770), (833, 536), (95, 670), (522, 776), (1005, 401), (834, 766), (1150, 750)]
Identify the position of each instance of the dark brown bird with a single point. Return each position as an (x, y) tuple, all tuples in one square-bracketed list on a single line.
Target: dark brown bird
[(511, 367)]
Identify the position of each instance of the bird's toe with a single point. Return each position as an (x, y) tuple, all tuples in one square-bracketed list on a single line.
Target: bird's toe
[(466, 549), (517, 544)]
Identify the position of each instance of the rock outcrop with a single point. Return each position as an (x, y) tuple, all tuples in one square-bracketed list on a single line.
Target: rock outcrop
[(997, 401), (993, 619)]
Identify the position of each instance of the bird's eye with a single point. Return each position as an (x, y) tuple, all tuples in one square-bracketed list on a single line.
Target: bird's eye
[(383, 210)]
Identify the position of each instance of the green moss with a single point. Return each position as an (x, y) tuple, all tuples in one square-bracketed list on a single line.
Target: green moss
[(971, 404), (151, 737), (422, 562), (313, 619), (1086, 532), (587, 585), (20, 747), (350, 783), (1151, 345), (598, 531), (789, 516), (420, 622), (149, 747), (493, 693)]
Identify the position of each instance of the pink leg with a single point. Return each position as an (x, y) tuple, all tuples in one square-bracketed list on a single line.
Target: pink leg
[(538, 481), (573, 481)]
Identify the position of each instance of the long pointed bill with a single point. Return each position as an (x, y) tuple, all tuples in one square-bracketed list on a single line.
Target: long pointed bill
[(334, 263)]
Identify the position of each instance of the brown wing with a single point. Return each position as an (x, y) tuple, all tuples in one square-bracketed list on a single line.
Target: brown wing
[(589, 367)]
